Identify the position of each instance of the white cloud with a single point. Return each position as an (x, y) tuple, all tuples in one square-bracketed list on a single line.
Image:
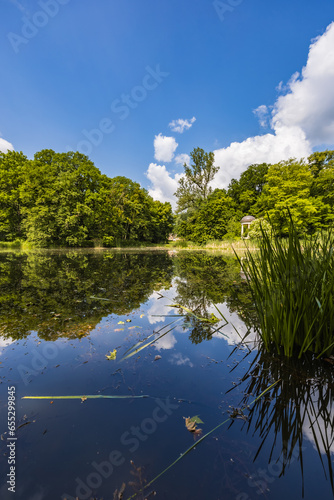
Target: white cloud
[(181, 125), (301, 119), (309, 103), (164, 185), (182, 159), (5, 146), (166, 342), (262, 113), (4, 343), (164, 148), (287, 142), (179, 360), (316, 428)]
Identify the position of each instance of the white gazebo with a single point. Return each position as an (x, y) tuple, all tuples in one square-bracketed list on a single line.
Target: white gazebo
[(246, 221)]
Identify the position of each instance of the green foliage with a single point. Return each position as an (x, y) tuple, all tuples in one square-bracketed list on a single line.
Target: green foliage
[(292, 287), (246, 191), (62, 199), (233, 228), (194, 186), (57, 194), (211, 220), (12, 168), (11, 244), (67, 293), (288, 186), (258, 227)]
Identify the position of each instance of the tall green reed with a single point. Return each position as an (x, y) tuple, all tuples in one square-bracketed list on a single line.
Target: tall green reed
[(292, 287)]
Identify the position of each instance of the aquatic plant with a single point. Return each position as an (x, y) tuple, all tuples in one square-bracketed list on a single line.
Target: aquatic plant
[(292, 287)]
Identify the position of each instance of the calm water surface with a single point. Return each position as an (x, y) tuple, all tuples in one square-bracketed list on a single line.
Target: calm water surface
[(63, 312)]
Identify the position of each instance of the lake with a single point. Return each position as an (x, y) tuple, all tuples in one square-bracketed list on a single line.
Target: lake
[(171, 324)]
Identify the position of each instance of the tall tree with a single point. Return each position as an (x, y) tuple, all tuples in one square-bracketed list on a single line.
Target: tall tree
[(210, 221), (58, 193), (288, 186), (246, 191), (194, 185), (12, 168)]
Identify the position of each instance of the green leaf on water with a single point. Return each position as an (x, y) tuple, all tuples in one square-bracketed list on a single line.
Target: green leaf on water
[(196, 419), (112, 354)]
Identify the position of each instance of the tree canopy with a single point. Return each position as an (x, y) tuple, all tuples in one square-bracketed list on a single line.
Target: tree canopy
[(194, 185), (62, 199), (301, 189)]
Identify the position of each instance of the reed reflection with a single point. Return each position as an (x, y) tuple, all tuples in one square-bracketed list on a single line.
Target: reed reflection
[(298, 409)]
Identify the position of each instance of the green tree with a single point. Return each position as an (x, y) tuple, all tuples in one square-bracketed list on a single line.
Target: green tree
[(58, 194), (126, 212), (320, 160), (288, 186), (258, 227), (322, 167), (194, 185), (246, 191), (12, 168), (211, 220)]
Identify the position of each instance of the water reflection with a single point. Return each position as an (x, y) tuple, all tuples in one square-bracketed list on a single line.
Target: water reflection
[(203, 280), (298, 410), (67, 294)]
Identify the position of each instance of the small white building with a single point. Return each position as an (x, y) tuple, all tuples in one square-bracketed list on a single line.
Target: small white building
[(246, 221)]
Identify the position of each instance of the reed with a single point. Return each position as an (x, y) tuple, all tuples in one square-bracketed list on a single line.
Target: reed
[(292, 283)]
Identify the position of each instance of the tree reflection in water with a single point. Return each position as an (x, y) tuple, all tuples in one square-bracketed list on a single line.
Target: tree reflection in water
[(67, 293)]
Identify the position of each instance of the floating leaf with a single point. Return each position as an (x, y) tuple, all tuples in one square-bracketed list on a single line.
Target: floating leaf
[(128, 320), (132, 327), (142, 315), (192, 426), (196, 419), (157, 357), (112, 354), (118, 329), (121, 323)]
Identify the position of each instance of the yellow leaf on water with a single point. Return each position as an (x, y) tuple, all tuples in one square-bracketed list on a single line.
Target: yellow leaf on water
[(142, 315), (118, 329), (112, 354), (121, 323)]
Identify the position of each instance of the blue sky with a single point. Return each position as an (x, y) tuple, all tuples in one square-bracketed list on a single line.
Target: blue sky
[(66, 65)]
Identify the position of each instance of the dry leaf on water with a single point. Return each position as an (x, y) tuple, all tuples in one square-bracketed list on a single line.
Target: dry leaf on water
[(191, 424)]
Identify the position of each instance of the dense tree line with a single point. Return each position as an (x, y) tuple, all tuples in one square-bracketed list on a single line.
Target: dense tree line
[(301, 189), (62, 199)]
